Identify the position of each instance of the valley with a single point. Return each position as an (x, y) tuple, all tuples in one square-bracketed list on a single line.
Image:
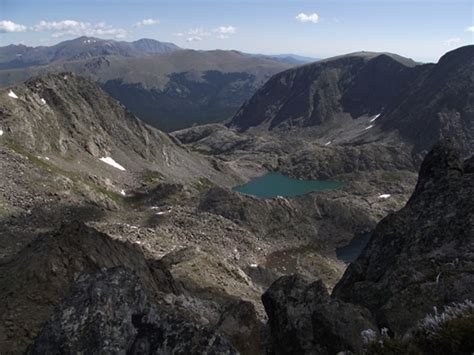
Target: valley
[(168, 87)]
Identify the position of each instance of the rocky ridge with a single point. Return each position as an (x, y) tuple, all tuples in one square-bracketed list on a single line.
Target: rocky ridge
[(368, 97)]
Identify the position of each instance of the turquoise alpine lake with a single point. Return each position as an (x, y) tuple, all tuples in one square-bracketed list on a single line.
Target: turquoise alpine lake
[(274, 184)]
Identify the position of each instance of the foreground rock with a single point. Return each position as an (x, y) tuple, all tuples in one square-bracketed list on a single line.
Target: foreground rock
[(305, 320), (40, 276), (419, 260), (422, 256), (108, 312)]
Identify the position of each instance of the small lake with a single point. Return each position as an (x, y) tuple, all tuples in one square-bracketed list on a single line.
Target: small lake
[(351, 251), (274, 184)]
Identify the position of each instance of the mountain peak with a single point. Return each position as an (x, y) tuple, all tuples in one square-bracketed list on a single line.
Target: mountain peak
[(367, 55), (458, 55)]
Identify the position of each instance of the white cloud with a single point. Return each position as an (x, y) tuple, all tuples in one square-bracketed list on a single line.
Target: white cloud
[(302, 17), (225, 30), (147, 22), (452, 41), (79, 28), (470, 29), (200, 33), (194, 34), (194, 39), (9, 26)]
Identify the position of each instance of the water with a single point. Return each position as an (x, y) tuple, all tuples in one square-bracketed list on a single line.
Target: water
[(274, 184), (351, 251)]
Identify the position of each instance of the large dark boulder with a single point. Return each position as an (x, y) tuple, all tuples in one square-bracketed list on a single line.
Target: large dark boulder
[(304, 319), (239, 324), (40, 276), (108, 312)]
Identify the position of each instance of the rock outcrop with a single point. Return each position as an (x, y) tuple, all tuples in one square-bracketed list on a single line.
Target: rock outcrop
[(438, 105), (108, 312), (40, 276), (305, 320), (422, 256), (419, 260), (325, 92), (240, 325)]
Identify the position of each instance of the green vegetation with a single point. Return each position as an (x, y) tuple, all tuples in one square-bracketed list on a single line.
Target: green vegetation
[(3, 209), (13, 145), (111, 195), (152, 178), (203, 184)]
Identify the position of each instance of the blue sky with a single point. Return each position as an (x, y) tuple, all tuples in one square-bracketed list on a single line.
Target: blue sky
[(420, 29)]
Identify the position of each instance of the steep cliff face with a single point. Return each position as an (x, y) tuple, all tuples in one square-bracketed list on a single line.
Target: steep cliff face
[(327, 92), (438, 105), (419, 260)]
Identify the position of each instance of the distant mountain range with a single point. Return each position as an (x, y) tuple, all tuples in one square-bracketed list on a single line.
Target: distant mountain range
[(20, 56), (164, 85)]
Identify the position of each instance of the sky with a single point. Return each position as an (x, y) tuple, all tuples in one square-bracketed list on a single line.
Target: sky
[(419, 29)]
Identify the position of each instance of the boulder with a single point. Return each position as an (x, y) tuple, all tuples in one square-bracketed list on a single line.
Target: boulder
[(304, 319), (108, 312)]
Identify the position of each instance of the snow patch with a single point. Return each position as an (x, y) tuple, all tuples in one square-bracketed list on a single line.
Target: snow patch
[(111, 162), (1, 132), (368, 127), (12, 95), (161, 210), (167, 159), (46, 158), (375, 117), (384, 195), (327, 143)]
